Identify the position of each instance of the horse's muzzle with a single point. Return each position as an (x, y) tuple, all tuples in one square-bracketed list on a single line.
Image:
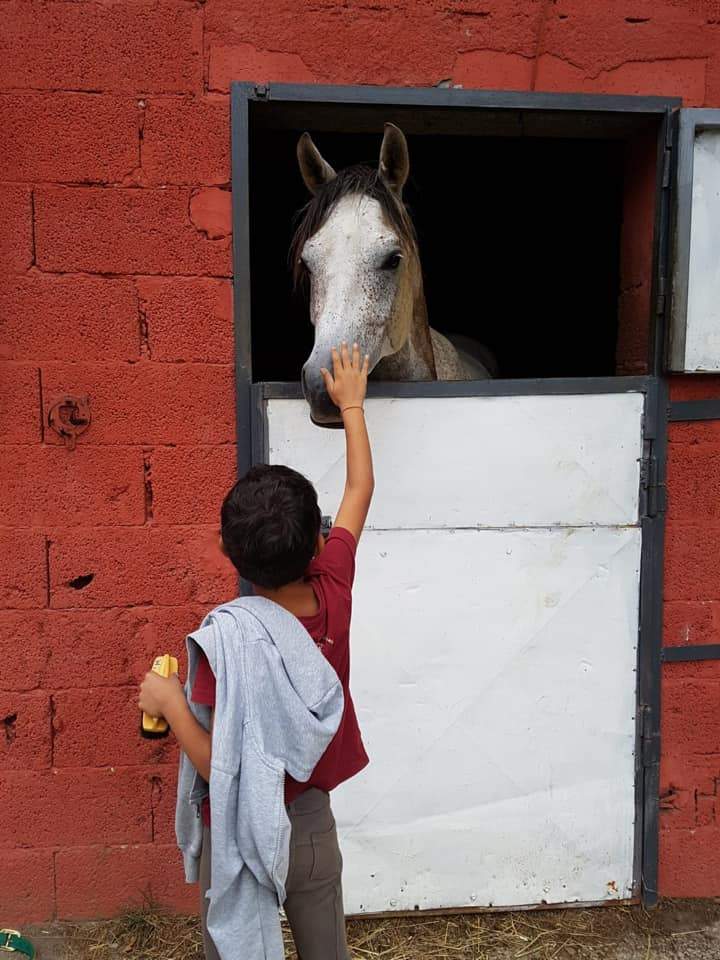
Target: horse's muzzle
[(323, 411)]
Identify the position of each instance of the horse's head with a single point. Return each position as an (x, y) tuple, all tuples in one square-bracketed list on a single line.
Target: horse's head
[(356, 247)]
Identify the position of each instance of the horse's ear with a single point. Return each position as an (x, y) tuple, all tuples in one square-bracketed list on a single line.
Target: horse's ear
[(394, 159), (315, 170)]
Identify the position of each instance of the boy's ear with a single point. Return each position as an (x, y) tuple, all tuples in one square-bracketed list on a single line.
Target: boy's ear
[(223, 548)]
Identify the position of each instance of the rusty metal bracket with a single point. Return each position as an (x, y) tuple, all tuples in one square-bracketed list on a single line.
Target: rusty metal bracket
[(69, 417)]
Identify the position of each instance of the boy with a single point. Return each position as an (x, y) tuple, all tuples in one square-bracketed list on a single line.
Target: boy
[(271, 533)]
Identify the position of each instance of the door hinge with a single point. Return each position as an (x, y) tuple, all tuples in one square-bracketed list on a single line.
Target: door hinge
[(653, 491), (661, 293), (667, 160), (650, 738), (262, 91)]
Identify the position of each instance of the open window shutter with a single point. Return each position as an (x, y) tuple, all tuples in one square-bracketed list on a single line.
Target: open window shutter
[(694, 345)]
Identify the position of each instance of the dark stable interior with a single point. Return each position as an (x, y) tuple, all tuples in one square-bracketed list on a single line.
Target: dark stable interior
[(519, 242)]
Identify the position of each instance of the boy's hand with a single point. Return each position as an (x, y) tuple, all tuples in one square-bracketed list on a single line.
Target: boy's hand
[(347, 388), (347, 384), (159, 694)]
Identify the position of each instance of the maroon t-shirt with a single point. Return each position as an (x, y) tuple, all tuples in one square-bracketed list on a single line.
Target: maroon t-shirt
[(331, 576)]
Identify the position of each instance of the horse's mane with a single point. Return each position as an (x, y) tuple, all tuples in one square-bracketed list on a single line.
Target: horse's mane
[(360, 180)]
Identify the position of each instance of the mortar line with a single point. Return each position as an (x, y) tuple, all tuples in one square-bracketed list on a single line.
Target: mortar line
[(32, 227), (538, 44), (52, 730), (42, 405), (54, 883), (48, 542)]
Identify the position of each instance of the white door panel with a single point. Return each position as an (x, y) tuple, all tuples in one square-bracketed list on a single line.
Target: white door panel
[(480, 461), (494, 647)]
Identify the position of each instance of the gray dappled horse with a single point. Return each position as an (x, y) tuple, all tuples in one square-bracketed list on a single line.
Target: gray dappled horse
[(357, 247)]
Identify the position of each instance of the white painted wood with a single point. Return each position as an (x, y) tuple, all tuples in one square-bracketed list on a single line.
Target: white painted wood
[(494, 648), (702, 334), (494, 674), (480, 461)]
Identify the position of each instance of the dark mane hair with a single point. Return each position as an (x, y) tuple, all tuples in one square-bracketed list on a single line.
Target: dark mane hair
[(359, 179)]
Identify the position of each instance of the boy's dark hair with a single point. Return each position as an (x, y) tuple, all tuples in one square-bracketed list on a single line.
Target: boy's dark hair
[(270, 522)]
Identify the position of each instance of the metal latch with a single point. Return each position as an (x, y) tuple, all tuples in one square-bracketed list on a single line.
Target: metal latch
[(69, 417)]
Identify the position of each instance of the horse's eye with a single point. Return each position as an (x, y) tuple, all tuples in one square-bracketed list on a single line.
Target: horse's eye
[(393, 261)]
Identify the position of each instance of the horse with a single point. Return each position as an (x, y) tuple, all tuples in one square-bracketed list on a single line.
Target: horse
[(356, 247)]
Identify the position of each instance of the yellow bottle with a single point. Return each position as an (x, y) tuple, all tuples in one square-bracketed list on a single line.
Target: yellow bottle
[(154, 727)]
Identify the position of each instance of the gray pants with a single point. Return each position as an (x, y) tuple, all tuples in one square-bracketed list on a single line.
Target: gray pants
[(314, 905)]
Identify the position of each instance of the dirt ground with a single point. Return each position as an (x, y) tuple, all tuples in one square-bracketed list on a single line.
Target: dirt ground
[(675, 930)]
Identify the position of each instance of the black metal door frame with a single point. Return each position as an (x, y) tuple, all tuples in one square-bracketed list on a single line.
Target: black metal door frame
[(251, 398)]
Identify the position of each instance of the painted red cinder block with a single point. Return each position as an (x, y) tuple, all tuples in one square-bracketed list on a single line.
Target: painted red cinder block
[(162, 565), (19, 403), (693, 482), (188, 318), (23, 572), (124, 47), (69, 137), (691, 568), (69, 318), (678, 808), (201, 155), (27, 886), (693, 773), (70, 807), (58, 649), (681, 77), (712, 80), (692, 670), (113, 716), (493, 69), (707, 807), (52, 486), (164, 780), (116, 230), (16, 240), (106, 881), (211, 212), (698, 431), (25, 737), (229, 62), (601, 38), (387, 44), (52, 649), (690, 710), (171, 626), (21, 649), (689, 864), (189, 483), (693, 388), (147, 403), (691, 623)]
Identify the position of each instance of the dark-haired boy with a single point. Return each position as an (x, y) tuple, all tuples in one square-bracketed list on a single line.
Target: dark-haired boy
[(271, 532)]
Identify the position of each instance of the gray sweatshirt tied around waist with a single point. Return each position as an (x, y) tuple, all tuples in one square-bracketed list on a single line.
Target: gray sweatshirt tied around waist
[(278, 705)]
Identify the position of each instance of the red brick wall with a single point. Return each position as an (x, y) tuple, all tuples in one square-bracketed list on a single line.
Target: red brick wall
[(116, 243), (690, 771)]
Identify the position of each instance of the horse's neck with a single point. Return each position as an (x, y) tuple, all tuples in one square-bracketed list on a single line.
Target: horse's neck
[(415, 360)]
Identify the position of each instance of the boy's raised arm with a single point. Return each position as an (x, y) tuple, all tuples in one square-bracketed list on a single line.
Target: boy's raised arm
[(347, 386)]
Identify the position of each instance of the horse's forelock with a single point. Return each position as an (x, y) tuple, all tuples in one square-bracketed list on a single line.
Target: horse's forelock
[(359, 180)]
